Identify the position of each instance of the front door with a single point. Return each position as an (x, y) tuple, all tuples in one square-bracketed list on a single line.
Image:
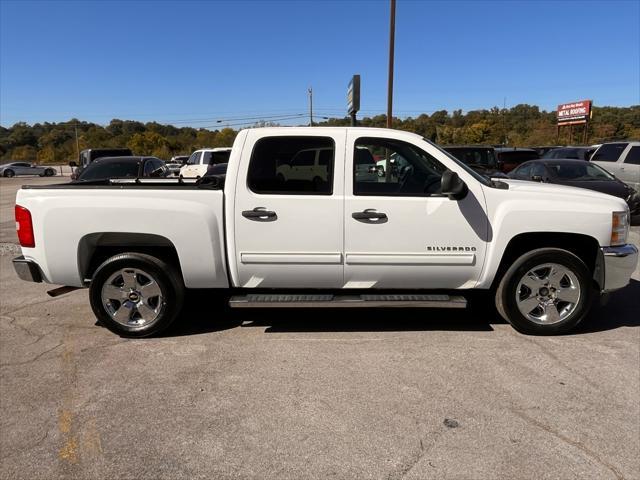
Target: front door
[(399, 232), (289, 229)]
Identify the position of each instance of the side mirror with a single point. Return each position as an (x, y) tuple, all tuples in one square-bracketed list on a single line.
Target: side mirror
[(452, 186), (537, 178), (73, 164)]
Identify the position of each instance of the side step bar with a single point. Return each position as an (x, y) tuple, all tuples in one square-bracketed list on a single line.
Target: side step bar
[(346, 301)]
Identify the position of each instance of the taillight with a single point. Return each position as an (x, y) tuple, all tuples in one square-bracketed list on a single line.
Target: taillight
[(24, 226)]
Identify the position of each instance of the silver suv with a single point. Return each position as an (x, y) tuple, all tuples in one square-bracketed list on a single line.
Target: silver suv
[(622, 159)]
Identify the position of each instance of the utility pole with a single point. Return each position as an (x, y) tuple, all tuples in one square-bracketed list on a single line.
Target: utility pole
[(392, 34), (75, 127), (310, 106)]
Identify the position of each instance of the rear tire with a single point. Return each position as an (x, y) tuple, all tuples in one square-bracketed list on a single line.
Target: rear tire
[(9, 173), (136, 295), (49, 172), (545, 292)]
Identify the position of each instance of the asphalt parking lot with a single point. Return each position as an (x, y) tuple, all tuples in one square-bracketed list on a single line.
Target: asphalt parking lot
[(314, 394)]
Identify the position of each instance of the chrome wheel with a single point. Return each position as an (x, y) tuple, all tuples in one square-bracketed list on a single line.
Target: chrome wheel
[(548, 293), (132, 297)]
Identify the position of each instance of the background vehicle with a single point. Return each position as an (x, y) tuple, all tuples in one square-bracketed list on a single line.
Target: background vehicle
[(544, 149), (578, 153), (577, 173), (308, 165), (540, 251), (175, 164), (89, 155), (622, 159), (397, 164), (481, 158), (200, 160), (25, 168), (123, 167), (218, 169), (509, 157)]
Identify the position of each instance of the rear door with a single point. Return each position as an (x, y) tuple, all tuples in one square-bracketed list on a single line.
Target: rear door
[(399, 232), (288, 232)]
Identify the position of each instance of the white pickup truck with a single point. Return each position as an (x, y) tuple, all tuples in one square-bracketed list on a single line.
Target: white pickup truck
[(430, 236)]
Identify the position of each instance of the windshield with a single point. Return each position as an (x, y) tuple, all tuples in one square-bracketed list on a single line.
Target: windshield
[(106, 170), (481, 178), (579, 171)]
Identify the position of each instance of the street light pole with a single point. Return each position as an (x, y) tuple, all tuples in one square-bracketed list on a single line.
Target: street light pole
[(392, 32)]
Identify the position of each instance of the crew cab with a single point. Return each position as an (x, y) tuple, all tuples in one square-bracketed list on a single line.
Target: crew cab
[(431, 236)]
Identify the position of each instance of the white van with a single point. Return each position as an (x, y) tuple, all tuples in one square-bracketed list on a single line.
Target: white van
[(200, 161)]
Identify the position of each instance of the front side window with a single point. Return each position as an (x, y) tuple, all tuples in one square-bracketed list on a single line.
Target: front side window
[(402, 169), (275, 166), (194, 159), (524, 172), (609, 152), (538, 170)]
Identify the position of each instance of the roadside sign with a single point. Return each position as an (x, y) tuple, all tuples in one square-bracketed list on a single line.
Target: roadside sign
[(574, 113)]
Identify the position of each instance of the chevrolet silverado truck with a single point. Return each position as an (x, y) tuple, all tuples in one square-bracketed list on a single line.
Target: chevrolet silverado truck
[(433, 235)]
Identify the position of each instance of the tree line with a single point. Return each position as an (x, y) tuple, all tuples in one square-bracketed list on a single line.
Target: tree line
[(521, 126)]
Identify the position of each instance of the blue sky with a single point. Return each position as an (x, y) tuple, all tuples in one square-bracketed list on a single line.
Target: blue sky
[(192, 62)]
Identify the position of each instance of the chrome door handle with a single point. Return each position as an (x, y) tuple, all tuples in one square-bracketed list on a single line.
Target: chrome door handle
[(369, 214), (260, 214)]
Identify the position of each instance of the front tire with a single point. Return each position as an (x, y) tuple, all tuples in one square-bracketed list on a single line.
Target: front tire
[(545, 292), (136, 295), (9, 173), (49, 172)]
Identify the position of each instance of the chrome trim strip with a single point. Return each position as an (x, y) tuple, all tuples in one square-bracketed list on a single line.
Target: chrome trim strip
[(410, 259), (291, 258)]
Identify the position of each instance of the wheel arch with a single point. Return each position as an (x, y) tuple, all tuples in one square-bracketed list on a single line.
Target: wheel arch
[(95, 248), (585, 247)]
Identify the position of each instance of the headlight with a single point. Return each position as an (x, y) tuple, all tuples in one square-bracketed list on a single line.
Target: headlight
[(619, 228)]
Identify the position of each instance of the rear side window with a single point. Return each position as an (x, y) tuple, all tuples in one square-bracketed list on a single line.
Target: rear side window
[(609, 152), (633, 157), (214, 158), (273, 161)]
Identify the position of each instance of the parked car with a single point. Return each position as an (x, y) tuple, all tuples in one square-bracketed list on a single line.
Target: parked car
[(105, 168), (397, 163), (432, 238), (90, 154), (544, 149), (578, 173), (510, 157), (175, 164), (308, 165), (25, 168), (200, 160), (578, 153), (218, 169), (622, 159), (481, 158)]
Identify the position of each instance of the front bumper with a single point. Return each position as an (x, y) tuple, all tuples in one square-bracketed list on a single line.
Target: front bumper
[(27, 270), (618, 264)]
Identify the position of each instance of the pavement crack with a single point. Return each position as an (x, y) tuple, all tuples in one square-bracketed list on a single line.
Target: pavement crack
[(569, 441), (557, 359), (37, 357), (418, 454)]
